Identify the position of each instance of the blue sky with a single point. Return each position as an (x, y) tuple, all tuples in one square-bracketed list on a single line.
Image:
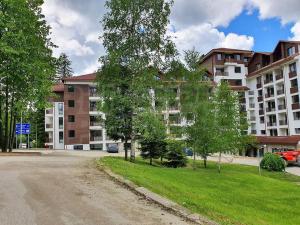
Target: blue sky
[(266, 32), (199, 24)]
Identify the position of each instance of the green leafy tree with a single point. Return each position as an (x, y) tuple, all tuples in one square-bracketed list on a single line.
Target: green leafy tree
[(64, 69), (175, 155), (136, 43), (152, 135), (27, 66), (229, 131)]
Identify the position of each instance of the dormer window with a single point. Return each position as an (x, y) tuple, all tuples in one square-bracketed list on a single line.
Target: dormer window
[(291, 51), (219, 56), (238, 57), (258, 66)]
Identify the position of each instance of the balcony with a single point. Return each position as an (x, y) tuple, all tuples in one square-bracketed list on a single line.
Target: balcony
[(267, 81), (261, 112), (295, 106), (253, 118), (259, 98), (270, 109), (243, 100), (282, 122), (95, 123), (221, 73), (243, 108), (280, 92), (271, 124), (251, 93), (279, 76), (281, 107), (292, 74), (294, 90), (269, 95), (252, 105), (258, 85), (49, 111), (96, 138), (49, 126), (93, 94), (49, 140), (253, 132)]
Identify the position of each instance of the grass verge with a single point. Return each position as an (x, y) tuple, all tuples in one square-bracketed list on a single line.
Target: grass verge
[(236, 196)]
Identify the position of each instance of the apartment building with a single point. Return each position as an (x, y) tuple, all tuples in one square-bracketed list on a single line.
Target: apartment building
[(74, 122), (268, 85)]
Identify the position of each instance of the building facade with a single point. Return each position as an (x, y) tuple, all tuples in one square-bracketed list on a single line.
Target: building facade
[(267, 83)]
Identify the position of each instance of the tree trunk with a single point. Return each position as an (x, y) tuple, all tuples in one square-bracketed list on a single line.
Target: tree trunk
[(132, 151), (205, 161), (151, 161), (126, 149), (13, 131), (5, 143), (11, 124), (1, 126), (219, 163), (194, 160)]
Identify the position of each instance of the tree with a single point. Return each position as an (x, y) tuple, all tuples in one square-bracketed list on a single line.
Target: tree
[(26, 63), (229, 127), (152, 135), (136, 42), (175, 155), (64, 68)]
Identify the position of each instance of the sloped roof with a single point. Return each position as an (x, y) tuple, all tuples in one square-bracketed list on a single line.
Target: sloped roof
[(226, 50), (58, 87), (279, 140), (85, 77)]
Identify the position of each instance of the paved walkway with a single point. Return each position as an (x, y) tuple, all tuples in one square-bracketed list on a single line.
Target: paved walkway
[(63, 188)]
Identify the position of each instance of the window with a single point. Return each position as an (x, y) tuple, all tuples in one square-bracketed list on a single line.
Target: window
[(297, 130), (296, 115), (71, 118), (292, 67), (262, 119), (238, 57), (78, 147), (246, 59), (273, 132), (71, 103), (71, 88), (61, 137), (258, 66), (260, 93), (60, 123), (294, 83), (237, 69), (60, 108), (263, 131), (71, 133), (219, 56), (98, 147), (295, 99), (291, 51)]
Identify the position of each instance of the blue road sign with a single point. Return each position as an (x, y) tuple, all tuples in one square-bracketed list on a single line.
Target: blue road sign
[(25, 128)]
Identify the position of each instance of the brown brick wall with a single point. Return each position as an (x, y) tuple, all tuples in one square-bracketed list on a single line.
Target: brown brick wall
[(81, 113)]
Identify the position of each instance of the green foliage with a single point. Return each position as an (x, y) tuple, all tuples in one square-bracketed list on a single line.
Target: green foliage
[(272, 162), (175, 156), (152, 149)]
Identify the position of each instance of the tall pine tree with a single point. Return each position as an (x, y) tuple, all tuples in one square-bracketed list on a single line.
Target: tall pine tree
[(64, 68)]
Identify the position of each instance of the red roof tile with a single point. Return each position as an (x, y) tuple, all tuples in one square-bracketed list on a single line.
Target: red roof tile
[(279, 140), (85, 77), (58, 87)]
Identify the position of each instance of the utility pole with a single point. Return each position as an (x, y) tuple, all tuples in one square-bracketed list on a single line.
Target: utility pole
[(21, 129)]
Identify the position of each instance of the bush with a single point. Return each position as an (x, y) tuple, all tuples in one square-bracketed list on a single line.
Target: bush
[(272, 162), (152, 149), (175, 156)]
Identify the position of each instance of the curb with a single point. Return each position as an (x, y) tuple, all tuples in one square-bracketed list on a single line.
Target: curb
[(159, 200)]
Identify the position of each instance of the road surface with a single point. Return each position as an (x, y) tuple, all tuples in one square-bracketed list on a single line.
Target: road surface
[(65, 189)]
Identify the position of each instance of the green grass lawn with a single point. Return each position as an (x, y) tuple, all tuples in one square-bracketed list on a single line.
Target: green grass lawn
[(236, 196)]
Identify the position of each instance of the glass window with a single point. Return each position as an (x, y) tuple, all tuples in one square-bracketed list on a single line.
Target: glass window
[(61, 137), (71, 118), (238, 57), (263, 132), (294, 83), (71, 103), (292, 67), (219, 56), (291, 51), (237, 69), (297, 130), (71, 88), (60, 108), (296, 115), (60, 123), (71, 133), (245, 59)]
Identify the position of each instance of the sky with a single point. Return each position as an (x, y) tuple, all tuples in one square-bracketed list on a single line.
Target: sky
[(201, 24)]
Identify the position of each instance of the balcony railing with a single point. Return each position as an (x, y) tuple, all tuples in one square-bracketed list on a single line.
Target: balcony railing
[(258, 85), (269, 95), (252, 105), (271, 124), (93, 109), (281, 107), (221, 73), (267, 81), (95, 123), (49, 140), (261, 112), (251, 92), (295, 106), (96, 138), (259, 98), (49, 126), (270, 109), (282, 122), (242, 100), (279, 76), (252, 118), (280, 92), (94, 94), (292, 74), (49, 111), (253, 132), (294, 90)]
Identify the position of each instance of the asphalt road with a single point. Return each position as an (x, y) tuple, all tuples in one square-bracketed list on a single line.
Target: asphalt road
[(65, 189)]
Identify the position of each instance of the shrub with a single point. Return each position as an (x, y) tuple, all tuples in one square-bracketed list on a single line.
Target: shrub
[(152, 149), (175, 156), (272, 162)]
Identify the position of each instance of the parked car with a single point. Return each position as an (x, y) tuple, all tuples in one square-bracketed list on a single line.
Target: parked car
[(112, 148), (188, 151), (290, 157)]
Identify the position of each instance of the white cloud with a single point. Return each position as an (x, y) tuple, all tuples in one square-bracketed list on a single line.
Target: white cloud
[(93, 38), (204, 37), (296, 32), (90, 67)]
